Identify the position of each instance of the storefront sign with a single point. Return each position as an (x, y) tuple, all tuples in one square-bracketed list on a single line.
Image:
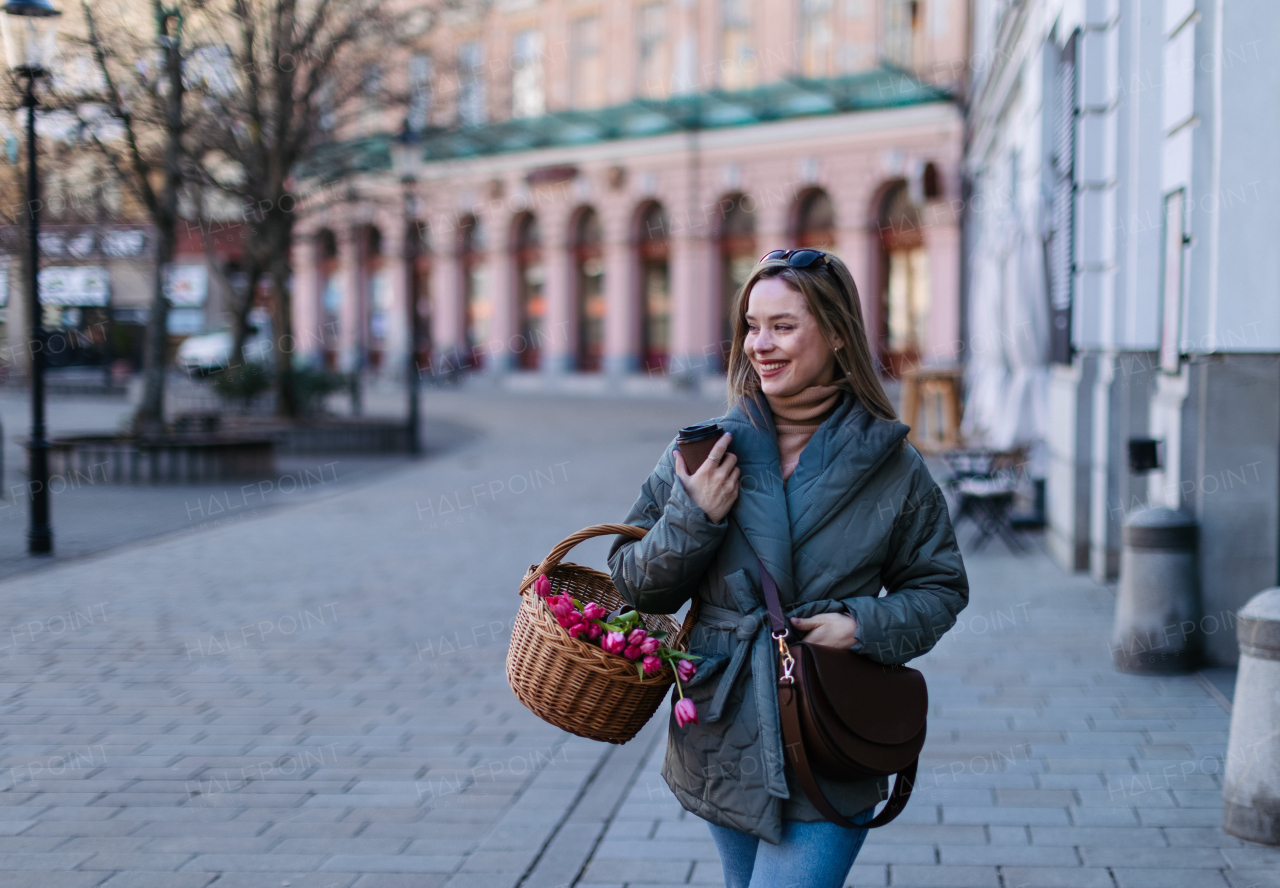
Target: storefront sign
[(82, 285), (117, 243), (187, 285)]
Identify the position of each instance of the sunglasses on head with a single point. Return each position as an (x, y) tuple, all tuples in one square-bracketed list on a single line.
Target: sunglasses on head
[(795, 258)]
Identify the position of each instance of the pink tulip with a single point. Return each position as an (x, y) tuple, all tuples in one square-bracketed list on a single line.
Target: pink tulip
[(613, 643), (593, 611), (560, 605), (593, 631), (686, 712), (577, 631), (632, 652), (542, 586), (686, 669), (636, 637), (652, 665), (649, 646)]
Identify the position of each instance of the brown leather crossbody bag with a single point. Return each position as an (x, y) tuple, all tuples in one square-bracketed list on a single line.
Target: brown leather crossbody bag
[(846, 717)]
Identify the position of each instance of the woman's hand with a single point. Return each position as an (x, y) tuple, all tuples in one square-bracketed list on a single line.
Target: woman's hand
[(714, 487), (828, 630)]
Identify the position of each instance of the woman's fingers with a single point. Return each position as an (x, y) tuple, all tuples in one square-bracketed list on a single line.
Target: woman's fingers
[(834, 630), (722, 444), (681, 472), (715, 459)]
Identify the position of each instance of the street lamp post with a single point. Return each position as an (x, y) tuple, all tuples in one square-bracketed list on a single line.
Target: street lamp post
[(30, 28), (406, 158)]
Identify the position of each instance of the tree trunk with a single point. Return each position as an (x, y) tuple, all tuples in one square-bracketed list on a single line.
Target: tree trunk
[(243, 304), (279, 236), (149, 419)]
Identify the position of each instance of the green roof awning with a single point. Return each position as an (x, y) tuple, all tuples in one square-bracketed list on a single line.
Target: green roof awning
[(716, 109)]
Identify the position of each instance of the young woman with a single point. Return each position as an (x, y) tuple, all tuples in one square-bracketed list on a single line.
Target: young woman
[(815, 478)]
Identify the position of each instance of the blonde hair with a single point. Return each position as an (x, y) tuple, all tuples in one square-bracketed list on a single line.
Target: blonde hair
[(832, 298)]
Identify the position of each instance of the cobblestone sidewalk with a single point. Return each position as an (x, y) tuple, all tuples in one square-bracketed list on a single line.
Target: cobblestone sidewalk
[(315, 697), (1044, 767)]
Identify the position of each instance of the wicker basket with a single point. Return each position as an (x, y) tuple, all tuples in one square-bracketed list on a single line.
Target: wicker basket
[(574, 685)]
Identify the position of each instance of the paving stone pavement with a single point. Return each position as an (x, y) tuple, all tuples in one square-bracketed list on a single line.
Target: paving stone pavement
[(315, 697), (1044, 767)]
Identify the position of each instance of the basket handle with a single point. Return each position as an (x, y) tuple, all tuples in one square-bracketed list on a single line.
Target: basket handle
[(556, 555), (561, 549)]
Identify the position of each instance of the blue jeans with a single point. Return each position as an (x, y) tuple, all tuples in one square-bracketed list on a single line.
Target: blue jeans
[(812, 855)]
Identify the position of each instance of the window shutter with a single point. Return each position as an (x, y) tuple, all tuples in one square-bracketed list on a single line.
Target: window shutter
[(1061, 244)]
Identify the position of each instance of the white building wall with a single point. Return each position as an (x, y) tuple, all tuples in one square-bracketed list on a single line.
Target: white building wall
[(1173, 95)]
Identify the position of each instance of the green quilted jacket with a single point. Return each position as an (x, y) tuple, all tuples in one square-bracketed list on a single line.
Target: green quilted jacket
[(860, 515)]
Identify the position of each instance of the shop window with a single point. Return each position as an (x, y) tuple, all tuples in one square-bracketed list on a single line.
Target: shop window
[(475, 295), (530, 298), (905, 292), (738, 62), (377, 308), (589, 265), (655, 290), (528, 97), (330, 296), (816, 221), (815, 38), (653, 52), (472, 103), (586, 66), (738, 255)]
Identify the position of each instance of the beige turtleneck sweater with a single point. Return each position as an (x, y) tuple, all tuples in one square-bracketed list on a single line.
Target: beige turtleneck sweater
[(797, 417)]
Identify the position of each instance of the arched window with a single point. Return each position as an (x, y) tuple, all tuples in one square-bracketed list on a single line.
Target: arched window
[(530, 303), (379, 298), (655, 289), (904, 289), (330, 295), (816, 221), (738, 255), (588, 258), (475, 289)]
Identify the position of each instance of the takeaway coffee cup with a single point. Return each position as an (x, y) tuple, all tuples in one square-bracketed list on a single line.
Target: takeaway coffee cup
[(695, 443)]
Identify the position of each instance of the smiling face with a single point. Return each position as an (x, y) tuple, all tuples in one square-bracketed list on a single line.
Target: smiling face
[(784, 342)]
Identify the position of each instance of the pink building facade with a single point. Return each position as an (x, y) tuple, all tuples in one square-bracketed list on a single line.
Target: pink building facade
[(570, 227)]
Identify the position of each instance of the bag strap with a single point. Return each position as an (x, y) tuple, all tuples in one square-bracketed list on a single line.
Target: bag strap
[(793, 739), (777, 621)]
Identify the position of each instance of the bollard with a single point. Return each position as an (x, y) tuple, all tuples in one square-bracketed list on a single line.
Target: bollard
[(1158, 602), (1251, 785)]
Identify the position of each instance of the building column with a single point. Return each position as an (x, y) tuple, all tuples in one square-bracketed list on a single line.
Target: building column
[(559, 290), (504, 323), (1068, 443), (351, 309), (860, 255), (693, 307), (942, 339), (308, 342), (1121, 399), (447, 311), (397, 268), (622, 312), (17, 324)]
